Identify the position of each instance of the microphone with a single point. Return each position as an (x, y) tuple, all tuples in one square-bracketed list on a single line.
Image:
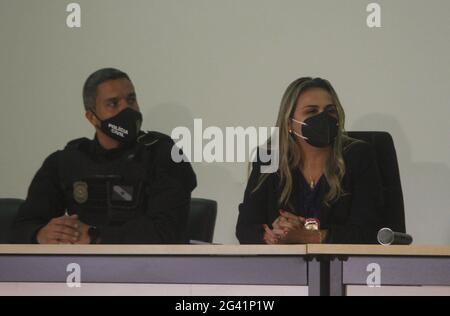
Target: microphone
[(388, 237)]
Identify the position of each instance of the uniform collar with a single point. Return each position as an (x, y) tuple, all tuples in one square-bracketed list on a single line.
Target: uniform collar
[(98, 150)]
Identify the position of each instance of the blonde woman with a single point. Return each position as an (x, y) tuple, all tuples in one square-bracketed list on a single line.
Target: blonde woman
[(323, 175)]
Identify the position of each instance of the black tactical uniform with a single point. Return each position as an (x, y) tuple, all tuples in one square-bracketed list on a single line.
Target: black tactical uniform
[(135, 194)]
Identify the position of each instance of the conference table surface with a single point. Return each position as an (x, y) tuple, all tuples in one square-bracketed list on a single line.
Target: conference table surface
[(379, 250), (231, 250), (227, 250)]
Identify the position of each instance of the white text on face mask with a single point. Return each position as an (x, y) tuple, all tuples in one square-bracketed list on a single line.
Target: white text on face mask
[(117, 130)]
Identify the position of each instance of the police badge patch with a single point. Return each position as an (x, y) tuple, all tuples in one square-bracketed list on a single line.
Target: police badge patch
[(80, 192)]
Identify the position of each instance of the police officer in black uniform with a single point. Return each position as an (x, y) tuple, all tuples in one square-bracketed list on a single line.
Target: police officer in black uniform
[(122, 187)]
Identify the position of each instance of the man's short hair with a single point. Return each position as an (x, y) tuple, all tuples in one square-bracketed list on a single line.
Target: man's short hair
[(94, 80)]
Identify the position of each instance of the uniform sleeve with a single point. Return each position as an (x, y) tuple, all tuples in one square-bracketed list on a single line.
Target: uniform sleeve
[(367, 200), (252, 211), (165, 220), (44, 202)]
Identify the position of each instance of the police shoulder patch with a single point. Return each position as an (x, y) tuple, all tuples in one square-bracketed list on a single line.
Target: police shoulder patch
[(77, 143)]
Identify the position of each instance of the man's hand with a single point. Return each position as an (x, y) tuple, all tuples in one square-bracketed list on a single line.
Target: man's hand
[(61, 230), (84, 234), (64, 230)]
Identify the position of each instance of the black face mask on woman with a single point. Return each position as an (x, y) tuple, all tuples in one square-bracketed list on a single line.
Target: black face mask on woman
[(124, 127), (319, 130)]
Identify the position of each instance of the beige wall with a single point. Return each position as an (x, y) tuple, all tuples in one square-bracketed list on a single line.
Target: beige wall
[(228, 62)]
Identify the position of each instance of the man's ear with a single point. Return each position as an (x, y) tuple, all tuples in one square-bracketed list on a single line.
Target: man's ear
[(92, 118)]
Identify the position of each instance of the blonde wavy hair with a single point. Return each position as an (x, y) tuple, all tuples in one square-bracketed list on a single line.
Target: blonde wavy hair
[(289, 152)]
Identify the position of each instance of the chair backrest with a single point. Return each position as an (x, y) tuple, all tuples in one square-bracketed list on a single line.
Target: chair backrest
[(202, 220), (8, 212), (394, 212)]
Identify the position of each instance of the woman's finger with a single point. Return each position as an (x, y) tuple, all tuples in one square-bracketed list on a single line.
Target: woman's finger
[(290, 226), (268, 230), (277, 221), (291, 218), (288, 215), (268, 239), (280, 233), (273, 235)]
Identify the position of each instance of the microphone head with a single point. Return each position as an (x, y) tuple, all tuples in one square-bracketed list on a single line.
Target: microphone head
[(385, 236)]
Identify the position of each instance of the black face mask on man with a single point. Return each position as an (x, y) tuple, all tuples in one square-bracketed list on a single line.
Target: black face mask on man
[(319, 130), (124, 127)]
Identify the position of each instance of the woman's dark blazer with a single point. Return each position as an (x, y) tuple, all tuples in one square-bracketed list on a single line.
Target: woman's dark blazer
[(353, 219)]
